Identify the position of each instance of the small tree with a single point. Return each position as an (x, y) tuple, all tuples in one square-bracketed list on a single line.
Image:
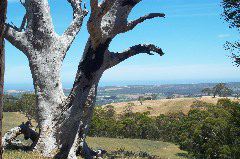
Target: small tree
[(226, 92), (222, 90), (207, 91), (110, 111), (154, 96), (141, 99)]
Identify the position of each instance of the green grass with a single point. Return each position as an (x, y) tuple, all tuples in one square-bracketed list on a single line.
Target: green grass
[(11, 120), (157, 148)]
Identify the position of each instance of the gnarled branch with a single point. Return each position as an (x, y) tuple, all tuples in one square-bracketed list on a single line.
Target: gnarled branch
[(116, 58), (134, 23)]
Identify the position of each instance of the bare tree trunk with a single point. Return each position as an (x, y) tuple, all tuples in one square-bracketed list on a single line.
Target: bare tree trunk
[(50, 96), (64, 122), (80, 104), (45, 50), (3, 10)]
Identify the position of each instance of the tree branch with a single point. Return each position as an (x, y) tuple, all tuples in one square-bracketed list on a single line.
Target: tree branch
[(117, 58), (24, 21), (23, 3), (23, 24), (78, 16), (134, 23), (16, 38), (94, 5), (77, 8)]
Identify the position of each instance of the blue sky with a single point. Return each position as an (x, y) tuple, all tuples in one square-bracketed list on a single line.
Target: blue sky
[(192, 36)]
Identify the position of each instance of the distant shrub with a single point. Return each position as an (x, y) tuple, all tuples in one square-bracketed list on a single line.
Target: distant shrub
[(25, 104)]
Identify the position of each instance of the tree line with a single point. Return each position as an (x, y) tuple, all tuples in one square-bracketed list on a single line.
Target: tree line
[(207, 131), (24, 104)]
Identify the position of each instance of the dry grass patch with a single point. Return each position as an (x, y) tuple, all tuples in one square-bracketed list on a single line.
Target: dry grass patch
[(164, 106)]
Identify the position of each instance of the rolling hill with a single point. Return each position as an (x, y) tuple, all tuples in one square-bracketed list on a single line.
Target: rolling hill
[(163, 106)]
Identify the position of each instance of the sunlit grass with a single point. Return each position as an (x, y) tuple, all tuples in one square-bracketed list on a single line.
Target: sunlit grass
[(162, 149)]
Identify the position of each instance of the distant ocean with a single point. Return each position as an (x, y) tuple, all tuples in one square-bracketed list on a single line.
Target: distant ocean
[(29, 86)]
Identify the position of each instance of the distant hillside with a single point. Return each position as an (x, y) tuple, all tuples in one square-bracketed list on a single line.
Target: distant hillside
[(163, 106), (184, 89), (116, 94)]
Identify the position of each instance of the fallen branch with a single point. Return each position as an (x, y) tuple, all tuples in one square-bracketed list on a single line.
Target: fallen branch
[(10, 137)]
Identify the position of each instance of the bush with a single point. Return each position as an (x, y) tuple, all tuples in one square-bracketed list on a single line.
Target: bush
[(213, 133)]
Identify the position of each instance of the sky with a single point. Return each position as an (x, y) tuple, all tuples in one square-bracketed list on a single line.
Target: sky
[(192, 36)]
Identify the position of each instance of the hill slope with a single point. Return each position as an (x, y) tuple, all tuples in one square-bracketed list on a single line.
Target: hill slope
[(163, 106)]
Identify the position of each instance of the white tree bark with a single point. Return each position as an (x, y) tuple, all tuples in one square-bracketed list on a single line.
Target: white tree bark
[(45, 50), (64, 122)]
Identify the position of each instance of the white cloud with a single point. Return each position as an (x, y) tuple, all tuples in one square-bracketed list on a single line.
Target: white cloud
[(221, 36)]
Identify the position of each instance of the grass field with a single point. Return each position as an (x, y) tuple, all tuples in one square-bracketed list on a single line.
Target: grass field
[(157, 148), (164, 106)]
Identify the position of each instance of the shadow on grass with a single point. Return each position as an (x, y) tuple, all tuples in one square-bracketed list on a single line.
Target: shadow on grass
[(121, 153), (18, 147), (183, 155)]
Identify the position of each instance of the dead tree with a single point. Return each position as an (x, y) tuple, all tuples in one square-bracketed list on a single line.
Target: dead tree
[(64, 121), (3, 10)]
